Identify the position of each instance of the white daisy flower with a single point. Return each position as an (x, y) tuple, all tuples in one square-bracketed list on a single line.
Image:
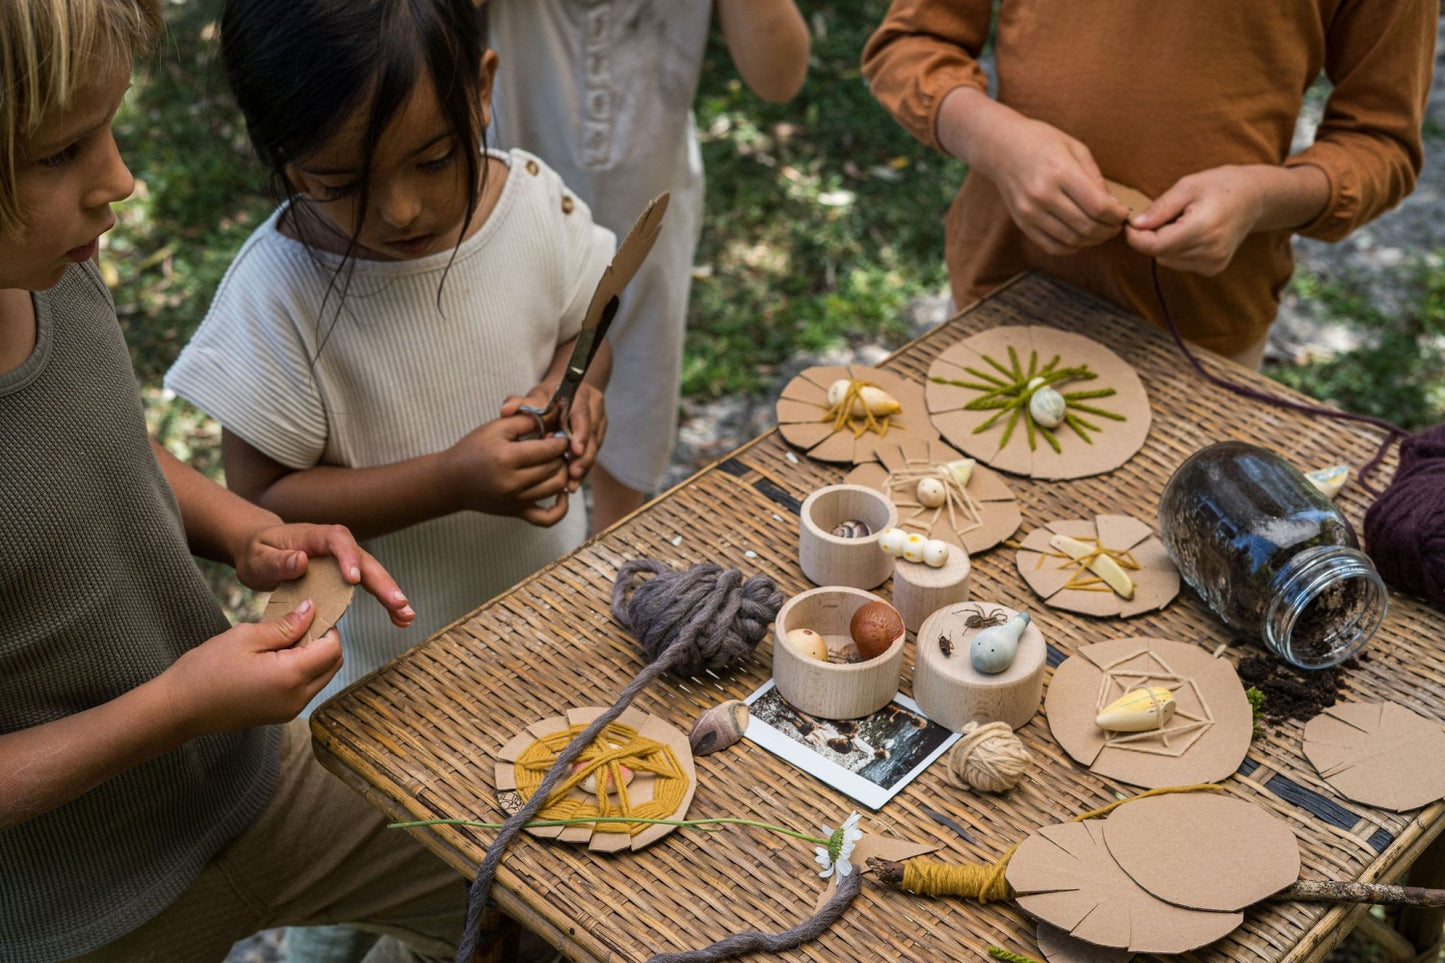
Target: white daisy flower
[(834, 858)]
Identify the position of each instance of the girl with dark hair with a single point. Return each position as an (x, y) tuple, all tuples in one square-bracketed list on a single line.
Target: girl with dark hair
[(370, 346), (367, 351)]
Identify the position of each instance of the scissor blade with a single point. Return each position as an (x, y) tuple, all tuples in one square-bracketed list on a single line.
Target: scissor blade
[(600, 311)]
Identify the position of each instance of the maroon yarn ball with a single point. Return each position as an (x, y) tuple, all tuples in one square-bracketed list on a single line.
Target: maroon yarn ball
[(1405, 527)]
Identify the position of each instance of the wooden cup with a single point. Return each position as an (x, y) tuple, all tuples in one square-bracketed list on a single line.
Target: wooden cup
[(828, 559), (952, 693), (832, 690)]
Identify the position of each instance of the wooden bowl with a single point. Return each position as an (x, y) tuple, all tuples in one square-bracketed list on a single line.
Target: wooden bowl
[(833, 690), (828, 559)]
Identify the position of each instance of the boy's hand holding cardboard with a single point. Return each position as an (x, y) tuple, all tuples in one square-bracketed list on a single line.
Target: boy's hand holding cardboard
[(326, 589)]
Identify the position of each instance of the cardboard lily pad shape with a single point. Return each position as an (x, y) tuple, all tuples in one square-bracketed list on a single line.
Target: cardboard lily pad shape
[(639, 766), (1378, 753), (1203, 850), (1063, 874), (976, 516), (1064, 583), (326, 589), (978, 395), (1057, 946), (803, 406), (1204, 741)]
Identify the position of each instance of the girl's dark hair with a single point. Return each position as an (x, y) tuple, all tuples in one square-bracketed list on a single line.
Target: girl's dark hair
[(300, 68)]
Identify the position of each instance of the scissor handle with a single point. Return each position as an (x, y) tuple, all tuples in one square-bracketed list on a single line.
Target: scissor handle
[(542, 415)]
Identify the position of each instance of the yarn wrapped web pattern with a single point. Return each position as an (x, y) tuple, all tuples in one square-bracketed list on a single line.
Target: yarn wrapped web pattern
[(705, 617), (1405, 527)]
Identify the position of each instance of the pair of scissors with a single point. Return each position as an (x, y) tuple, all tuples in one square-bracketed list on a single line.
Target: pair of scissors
[(603, 308)]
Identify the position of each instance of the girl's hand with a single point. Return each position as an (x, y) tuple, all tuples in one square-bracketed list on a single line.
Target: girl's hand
[(273, 554), (497, 469), (251, 675), (587, 421), (1199, 223)]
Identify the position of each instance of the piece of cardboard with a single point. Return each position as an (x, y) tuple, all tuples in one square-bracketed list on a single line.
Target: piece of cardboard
[(1156, 581), (1203, 850), (323, 585), (1063, 874), (1135, 200), (1212, 725), (1378, 753), (1113, 444), (997, 505), (1057, 946), (804, 401)]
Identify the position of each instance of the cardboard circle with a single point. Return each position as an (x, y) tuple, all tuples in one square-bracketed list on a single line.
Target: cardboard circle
[(1050, 574), (1063, 874), (1205, 741), (323, 585), (1112, 444), (998, 508), (1378, 753), (801, 407), (1057, 946), (1203, 850), (659, 765)]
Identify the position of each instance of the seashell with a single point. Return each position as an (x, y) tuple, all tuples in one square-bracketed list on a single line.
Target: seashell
[(1138, 710), (874, 627), (1046, 407), (935, 553), (719, 727), (961, 469), (913, 547), (1101, 563), (931, 493), (892, 541), (869, 399), (808, 644), (1329, 480), (993, 649), (852, 528)]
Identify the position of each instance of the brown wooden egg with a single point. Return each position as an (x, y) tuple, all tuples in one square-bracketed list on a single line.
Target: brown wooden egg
[(874, 627)]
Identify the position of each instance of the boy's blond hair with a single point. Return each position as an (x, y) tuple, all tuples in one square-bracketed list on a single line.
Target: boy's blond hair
[(50, 49)]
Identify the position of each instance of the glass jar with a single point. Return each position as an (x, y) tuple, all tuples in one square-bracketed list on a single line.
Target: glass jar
[(1270, 554)]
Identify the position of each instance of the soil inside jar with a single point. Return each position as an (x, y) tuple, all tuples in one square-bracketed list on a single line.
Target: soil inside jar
[(1330, 618), (1291, 692)]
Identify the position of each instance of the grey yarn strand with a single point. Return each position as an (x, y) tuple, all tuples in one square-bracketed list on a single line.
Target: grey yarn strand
[(740, 943), (704, 618)]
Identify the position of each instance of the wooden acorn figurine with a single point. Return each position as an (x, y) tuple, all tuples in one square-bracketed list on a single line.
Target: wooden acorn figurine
[(993, 650)]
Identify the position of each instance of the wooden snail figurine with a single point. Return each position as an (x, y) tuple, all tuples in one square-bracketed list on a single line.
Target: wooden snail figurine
[(1138, 710), (993, 650)]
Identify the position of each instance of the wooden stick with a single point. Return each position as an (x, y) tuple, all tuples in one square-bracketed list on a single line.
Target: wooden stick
[(890, 873)]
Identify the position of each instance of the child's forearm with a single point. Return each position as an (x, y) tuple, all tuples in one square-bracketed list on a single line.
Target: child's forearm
[(217, 521), (369, 501), (46, 766), (769, 44)]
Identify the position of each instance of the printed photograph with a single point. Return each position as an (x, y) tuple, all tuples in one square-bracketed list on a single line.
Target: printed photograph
[(870, 758)]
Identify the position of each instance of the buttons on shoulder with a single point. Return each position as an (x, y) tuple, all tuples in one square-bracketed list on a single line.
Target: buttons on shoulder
[(567, 204), (532, 168)]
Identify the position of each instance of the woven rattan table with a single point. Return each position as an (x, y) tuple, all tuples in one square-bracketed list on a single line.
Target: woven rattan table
[(418, 738)]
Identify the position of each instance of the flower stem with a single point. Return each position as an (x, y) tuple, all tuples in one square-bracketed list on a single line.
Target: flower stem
[(582, 821)]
